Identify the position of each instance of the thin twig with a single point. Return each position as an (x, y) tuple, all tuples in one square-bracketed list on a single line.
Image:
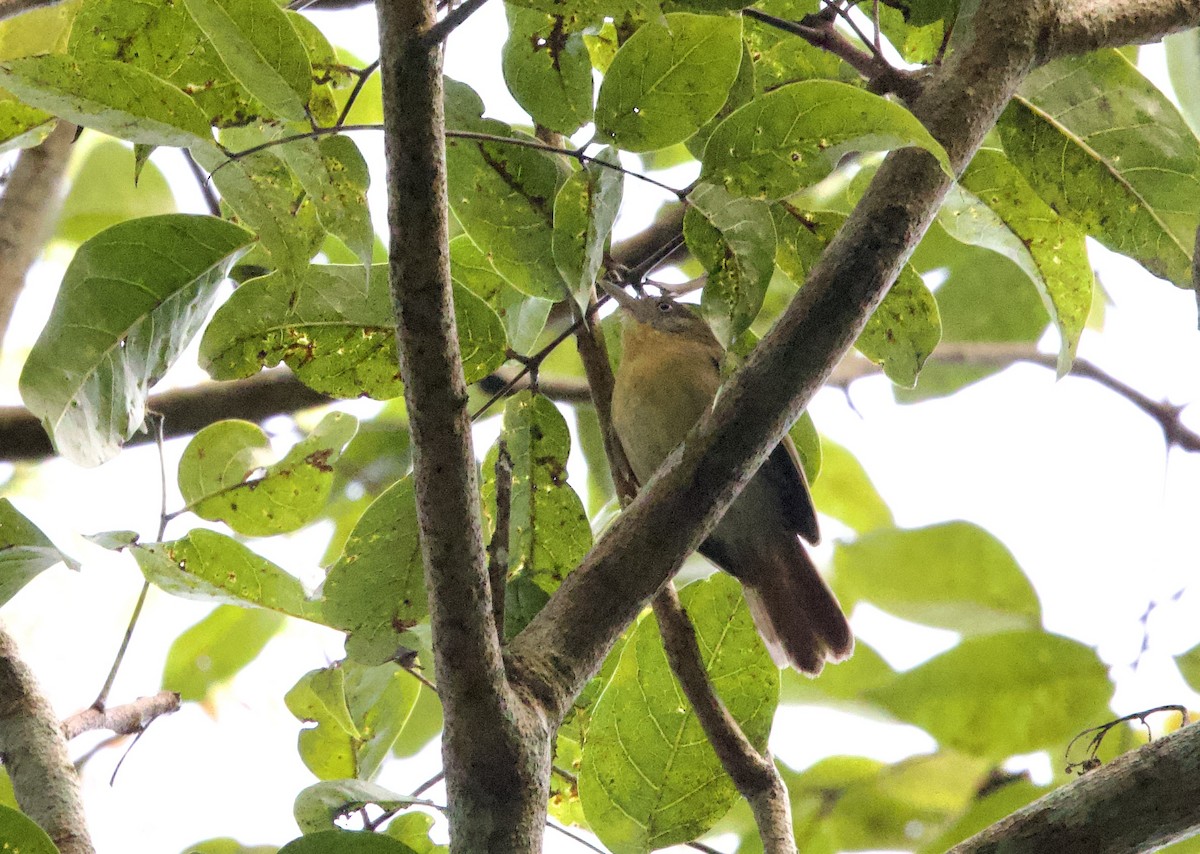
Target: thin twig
[(363, 74), (211, 199), (439, 31)]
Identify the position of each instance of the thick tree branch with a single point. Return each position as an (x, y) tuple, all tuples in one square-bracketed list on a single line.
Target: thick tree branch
[(34, 753), (496, 744), (1141, 801), (1079, 26), (564, 644), (29, 203)]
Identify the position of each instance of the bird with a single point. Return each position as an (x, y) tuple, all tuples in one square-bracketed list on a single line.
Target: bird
[(667, 377)]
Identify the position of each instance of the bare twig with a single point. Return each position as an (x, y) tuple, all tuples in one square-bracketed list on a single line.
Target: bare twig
[(211, 200), (439, 31), (35, 755), (363, 74), (125, 719)]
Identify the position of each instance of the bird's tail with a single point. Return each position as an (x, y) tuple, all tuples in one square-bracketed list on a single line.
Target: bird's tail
[(797, 614)]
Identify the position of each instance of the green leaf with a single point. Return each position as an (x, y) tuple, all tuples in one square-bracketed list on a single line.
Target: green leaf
[(985, 811), (113, 540), (368, 106), (650, 778), (503, 196), (358, 712), (118, 99), (523, 316), (267, 198), (953, 575), (335, 176), (792, 137), (903, 330), (226, 845), (584, 212), (376, 590), (103, 193), (547, 69), (1125, 169), (215, 568), (808, 445), (339, 337), (734, 238), (781, 58), (412, 828), (998, 695), (668, 79), (1019, 225), (216, 649), (259, 47), (346, 842), (326, 69), (24, 551), (22, 835), (318, 807), (164, 40), (32, 32), (845, 491), (222, 476), (130, 301), (845, 686), (1189, 665), (985, 297), (549, 531)]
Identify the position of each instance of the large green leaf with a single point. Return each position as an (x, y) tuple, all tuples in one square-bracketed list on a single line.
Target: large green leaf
[(781, 58), (792, 137), (22, 834), (118, 99), (954, 575), (503, 196), (845, 491), (523, 316), (1107, 150), (346, 842), (650, 778), (548, 528), (334, 174), (1019, 225), (24, 551), (584, 212), (734, 238), (547, 69), (358, 712), (164, 40), (903, 330), (267, 198), (261, 49), (668, 79), (131, 300), (224, 476), (999, 695), (216, 568), (216, 649), (376, 590), (339, 337)]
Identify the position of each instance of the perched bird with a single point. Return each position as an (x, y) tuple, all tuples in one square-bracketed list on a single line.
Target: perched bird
[(668, 376)]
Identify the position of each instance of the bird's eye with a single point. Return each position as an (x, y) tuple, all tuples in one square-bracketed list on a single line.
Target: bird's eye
[(664, 307)]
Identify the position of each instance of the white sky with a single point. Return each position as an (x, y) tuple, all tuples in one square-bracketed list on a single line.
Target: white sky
[(1073, 480)]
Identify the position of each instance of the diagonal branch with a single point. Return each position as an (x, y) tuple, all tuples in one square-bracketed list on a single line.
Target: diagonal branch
[(564, 644)]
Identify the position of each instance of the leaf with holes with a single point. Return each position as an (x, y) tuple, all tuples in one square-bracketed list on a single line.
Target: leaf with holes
[(547, 69), (792, 137), (734, 238), (650, 778), (223, 479), (212, 567), (1125, 169), (668, 79), (131, 300)]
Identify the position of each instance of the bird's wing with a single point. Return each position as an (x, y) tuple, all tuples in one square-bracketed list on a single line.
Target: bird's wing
[(786, 475)]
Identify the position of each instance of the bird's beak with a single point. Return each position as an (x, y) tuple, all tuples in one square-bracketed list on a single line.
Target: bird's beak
[(622, 298)]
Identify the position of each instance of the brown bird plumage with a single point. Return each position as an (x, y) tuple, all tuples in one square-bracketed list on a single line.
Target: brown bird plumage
[(668, 376)]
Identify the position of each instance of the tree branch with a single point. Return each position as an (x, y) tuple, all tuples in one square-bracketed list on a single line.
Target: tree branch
[(12, 8), (126, 719), (1141, 801), (1087, 25), (496, 744), (27, 208), (35, 755), (565, 643)]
